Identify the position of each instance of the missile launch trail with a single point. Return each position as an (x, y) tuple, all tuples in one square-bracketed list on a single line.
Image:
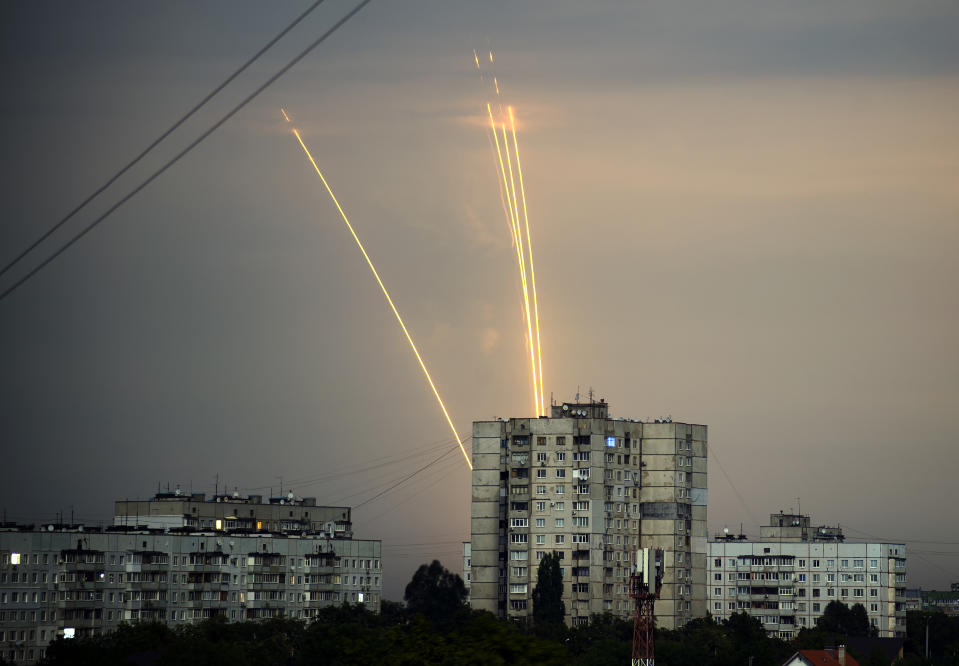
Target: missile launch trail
[(532, 272), (389, 300)]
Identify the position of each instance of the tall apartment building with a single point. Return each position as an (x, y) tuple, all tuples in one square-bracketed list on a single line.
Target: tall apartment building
[(794, 570), (595, 489), (73, 580)]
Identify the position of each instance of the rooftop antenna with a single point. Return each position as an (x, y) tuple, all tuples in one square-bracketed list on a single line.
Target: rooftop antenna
[(577, 393), (591, 395), (216, 485)]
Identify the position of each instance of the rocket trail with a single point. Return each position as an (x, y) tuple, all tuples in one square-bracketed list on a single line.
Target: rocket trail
[(532, 272), (510, 196), (389, 300), (522, 262)]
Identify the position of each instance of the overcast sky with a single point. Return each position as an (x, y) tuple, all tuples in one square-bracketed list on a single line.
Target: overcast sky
[(744, 214)]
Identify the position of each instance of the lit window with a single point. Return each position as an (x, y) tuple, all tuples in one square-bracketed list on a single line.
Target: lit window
[(14, 558)]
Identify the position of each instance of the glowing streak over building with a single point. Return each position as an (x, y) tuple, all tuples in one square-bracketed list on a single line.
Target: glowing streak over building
[(522, 263), (389, 300), (507, 205), (532, 272), (496, 83), (476, 58)]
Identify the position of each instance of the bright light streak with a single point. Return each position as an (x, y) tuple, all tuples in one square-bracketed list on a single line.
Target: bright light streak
[(532, 272), (491, 56), (522, 262), (389, 300), (286, 117), (476, 58), (496, 83), (507, 205)]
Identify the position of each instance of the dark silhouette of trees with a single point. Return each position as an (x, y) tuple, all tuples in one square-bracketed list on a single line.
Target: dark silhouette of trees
[(548, 606), (435, 592)]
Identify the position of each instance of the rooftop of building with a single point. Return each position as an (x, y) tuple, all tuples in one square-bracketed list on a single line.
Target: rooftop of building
[(788, 527), (76, 528), (592, 409), (231, 498)]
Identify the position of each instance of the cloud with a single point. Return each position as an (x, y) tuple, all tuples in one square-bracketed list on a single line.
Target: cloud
[(489, 340)]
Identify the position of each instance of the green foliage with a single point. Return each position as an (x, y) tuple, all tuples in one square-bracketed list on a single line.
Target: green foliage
[(943, 637), (838, 618), (435, 592), (548, 606)]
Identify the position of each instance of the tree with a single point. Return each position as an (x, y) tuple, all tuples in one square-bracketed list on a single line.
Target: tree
[(838, 618), (435, 592), (548, 606)]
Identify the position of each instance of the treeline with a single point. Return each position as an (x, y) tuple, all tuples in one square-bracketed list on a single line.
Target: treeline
[(436, 627)]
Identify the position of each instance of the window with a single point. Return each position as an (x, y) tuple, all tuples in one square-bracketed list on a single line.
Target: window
[(560, 506), (873, 592), (560, 522), (518, 588), (540, 539), (802, 564), (611, 442), (561, 474), (518, 555), (717, 576), (540, 490), (873, 564), (519, 538), (580, 521), (815, 564), (816, 578), (717, 591), (561, 441), (519, 522), (717, 562), (540, 522), (561, 456), (731, 562), (541, 456), (517, 572), (540, 441), (844, 563), (580, 538), (858, 564), (802, 578), (541, 506), (560, 538), (541, 474), (857, 592)]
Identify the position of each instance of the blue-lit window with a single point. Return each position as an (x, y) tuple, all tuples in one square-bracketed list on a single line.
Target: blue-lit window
[(611, 442)]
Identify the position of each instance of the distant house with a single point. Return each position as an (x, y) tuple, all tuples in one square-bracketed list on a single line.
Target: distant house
[(827, 657)]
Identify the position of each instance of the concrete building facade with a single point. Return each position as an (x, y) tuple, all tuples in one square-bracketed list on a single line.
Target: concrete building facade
[(72, 580), (794, 570), (594, 489)]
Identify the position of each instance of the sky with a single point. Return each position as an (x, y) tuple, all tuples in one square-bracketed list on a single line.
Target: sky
[(744, 214)]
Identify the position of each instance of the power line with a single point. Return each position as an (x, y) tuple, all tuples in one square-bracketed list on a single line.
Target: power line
[(405, 479), (182, 153), (160, 138), (712, 450)]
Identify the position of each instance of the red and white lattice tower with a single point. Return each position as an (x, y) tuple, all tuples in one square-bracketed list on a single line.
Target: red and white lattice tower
[(644, 586)]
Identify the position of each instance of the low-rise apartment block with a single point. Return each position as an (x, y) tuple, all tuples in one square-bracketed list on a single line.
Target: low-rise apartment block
[(794, 570), (74, 580)]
